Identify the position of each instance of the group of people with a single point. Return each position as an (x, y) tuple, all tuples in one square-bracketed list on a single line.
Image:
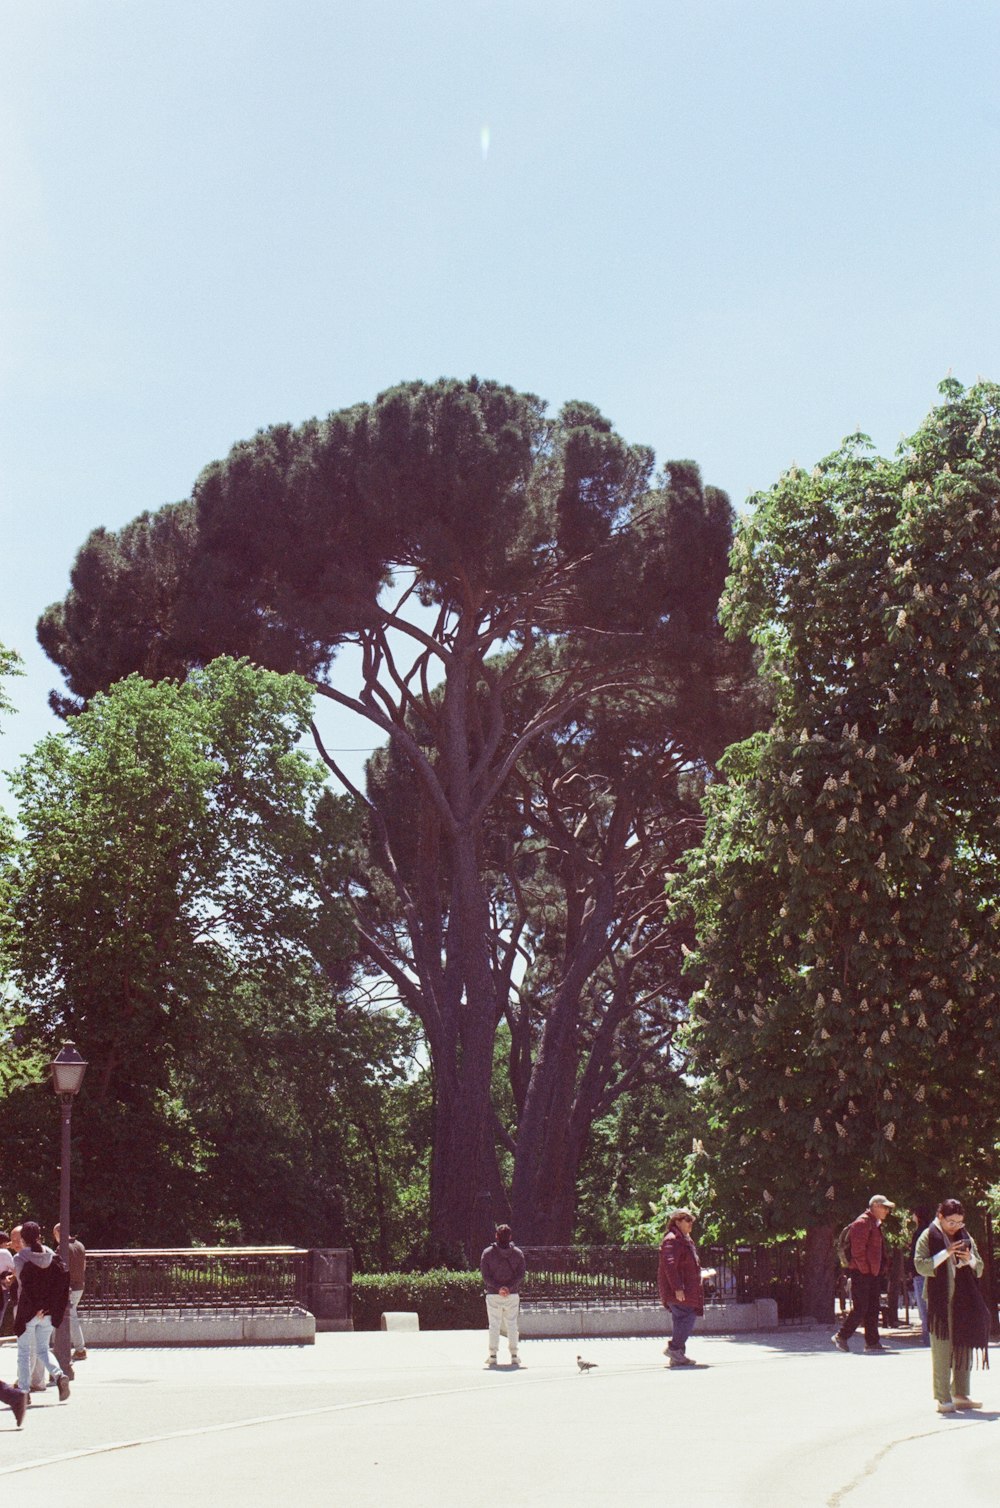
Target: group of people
[(40, 1288), (945, 1257), (680, 1278), (947, 1267)]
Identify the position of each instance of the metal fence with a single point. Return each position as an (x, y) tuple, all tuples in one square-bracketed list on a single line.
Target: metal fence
[(613, 1276), (235, 1278)]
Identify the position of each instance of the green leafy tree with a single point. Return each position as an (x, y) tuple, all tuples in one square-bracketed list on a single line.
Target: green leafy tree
[(303, 1111), (168, 849), (516, 532), (846, 893)]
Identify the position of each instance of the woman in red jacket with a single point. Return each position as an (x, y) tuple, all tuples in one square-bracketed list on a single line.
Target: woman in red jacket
[(679, 1277)]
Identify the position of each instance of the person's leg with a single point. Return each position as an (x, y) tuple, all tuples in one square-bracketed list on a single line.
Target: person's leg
[(25, 1349), (683, 1323), (856, 1313), (918, 1294), (493, 1314), (43, 1340), (75, 1329), (872, 1305), (512, 1309), (961, 1380), (941, 1369)]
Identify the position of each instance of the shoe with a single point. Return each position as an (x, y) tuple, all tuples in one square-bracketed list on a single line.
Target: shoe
[(514, 1362), (680, 1360), (39, 1387), (18, 1408), (946, 1408), (491, 1361), (967, 1403), (840, 1342), (877, 1350), (62, 1383), (80, 1355)]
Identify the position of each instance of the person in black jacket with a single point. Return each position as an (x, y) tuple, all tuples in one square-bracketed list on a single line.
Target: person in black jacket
[(43, 1293), (502, 1266)]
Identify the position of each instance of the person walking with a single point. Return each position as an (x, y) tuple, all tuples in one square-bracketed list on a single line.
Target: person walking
[(77, 1278), (39, 1376), (947, 1258), (867, 1255), (502, 1266), (43, 1293), (679, 1278)]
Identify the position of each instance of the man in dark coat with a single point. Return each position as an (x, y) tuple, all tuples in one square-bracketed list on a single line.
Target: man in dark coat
[(502, 1266), (679, 1278), (867, 1256), (77, 1254)]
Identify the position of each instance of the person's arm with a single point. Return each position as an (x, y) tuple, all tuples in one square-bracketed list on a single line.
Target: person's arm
[(671, 1270), (925, 1264), (860, 1236)]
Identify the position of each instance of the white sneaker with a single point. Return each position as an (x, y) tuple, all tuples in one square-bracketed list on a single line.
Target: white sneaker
[(491, 1361), (946, 1408)]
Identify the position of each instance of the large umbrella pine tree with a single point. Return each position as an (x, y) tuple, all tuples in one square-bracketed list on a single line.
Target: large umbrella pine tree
[(846, 893), (514, 530)]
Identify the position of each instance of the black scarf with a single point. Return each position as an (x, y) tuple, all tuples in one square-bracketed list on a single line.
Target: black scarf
[(969, 1330)]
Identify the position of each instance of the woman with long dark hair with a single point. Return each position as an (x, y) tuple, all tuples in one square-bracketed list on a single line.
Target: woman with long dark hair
[(947, 1258)]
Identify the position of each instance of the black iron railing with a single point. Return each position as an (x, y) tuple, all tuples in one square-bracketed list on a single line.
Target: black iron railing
[(602, 1276), (198, 1278), (590, 1276)]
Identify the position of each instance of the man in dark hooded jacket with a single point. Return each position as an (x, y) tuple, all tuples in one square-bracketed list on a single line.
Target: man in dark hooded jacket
[(502, 1266), (43, 1293)]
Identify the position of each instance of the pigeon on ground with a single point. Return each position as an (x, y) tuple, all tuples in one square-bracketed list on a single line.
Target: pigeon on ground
[(585, 1366)]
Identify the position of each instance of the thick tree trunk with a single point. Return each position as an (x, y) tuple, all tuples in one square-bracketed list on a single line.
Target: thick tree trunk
[(818, 1274), (460, 1205), (461, 1194), (543, 1194)]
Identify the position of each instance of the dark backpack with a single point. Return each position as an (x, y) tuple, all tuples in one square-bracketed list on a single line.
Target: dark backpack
[(843, 1246), (56, 1288)]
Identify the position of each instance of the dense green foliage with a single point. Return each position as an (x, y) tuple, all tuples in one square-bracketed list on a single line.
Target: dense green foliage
[(167, 908), (847, 893), (443, 1300)]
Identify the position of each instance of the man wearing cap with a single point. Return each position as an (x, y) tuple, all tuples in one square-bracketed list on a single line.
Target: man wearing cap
[(679, 1278), (867, 1254)]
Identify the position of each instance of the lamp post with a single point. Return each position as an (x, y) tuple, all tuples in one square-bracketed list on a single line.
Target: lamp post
[(67, 1070)]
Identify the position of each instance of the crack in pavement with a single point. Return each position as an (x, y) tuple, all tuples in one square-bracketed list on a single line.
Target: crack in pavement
[(872, 1466)]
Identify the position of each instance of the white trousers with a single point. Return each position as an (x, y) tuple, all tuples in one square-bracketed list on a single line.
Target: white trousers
[(502, 1314)]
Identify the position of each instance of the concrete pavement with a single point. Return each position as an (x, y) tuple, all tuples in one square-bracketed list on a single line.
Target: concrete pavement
[(370, 1420)]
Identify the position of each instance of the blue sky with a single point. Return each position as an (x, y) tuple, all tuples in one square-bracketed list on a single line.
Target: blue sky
[(742, 228)]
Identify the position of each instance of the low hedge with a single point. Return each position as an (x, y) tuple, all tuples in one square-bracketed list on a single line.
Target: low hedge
[(443, 1300)]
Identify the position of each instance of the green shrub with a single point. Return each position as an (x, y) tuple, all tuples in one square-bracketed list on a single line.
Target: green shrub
[(443, 1300)]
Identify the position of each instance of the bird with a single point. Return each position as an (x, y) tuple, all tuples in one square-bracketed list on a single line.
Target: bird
[(585, 1366)]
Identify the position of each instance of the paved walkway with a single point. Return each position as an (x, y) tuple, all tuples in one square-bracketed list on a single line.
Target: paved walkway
[(375, 1421)]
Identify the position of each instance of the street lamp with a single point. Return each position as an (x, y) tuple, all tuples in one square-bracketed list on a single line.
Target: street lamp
[(67, 1070)]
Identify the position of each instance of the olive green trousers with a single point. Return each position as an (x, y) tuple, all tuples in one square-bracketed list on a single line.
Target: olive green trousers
[(949, 1382)]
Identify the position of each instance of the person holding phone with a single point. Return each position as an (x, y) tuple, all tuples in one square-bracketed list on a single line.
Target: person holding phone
[(947, 1258)]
